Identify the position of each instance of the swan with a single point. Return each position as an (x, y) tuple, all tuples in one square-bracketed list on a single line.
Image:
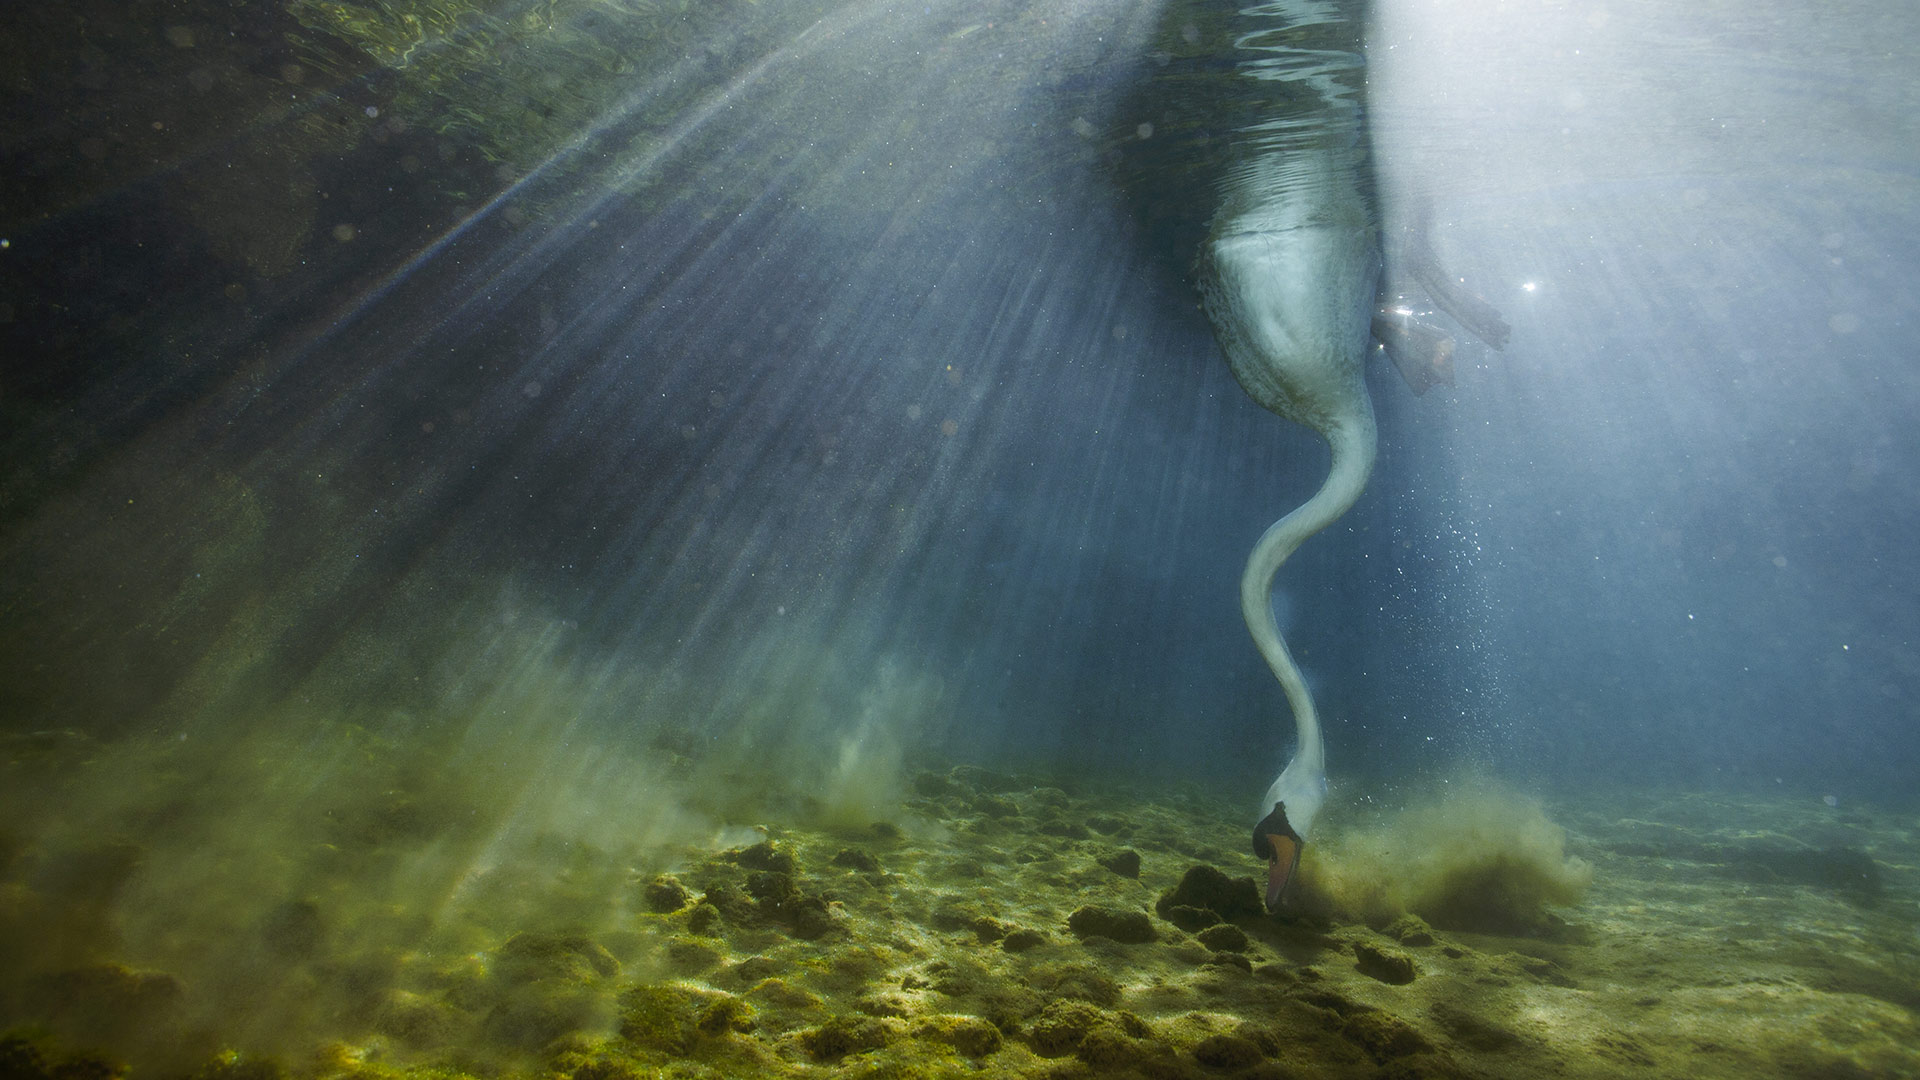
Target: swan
[(1289, 274)]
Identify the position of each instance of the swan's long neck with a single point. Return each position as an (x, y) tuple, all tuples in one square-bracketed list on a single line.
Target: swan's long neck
[(1353, 440)]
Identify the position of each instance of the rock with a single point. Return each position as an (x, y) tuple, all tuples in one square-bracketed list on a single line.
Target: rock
[(988, 930), (1226, 1052), (1191, 919), (607, 1069), (1382, 964), (1108, 825), (752, 970), (419, 1022), (1225, 938), (1107, 1049), (1130, 927), (1411, 930), (1081, 982), (1021, 940), (665, 894), (1063, 828), (728, 901), (805, 917), (781, 994), (704, 918), (673, 1018), (568, 957), (691, 956), (970, 1035), (1104, 1040), (1123, 861), (977, 779), (532, 1014), (995, 807), (763, 856), (933, 785), (1061, 1027), (845, 1035), (1384, 1036), (855, 859), (1206, 887), (771, 886)]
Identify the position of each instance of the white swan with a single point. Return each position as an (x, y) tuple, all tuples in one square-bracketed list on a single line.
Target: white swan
[(1288, 276)]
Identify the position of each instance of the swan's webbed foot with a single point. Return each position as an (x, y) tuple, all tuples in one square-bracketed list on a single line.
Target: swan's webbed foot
[(1275, 841)]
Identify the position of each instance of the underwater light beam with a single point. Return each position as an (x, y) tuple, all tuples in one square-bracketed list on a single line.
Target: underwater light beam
[(520, 264)]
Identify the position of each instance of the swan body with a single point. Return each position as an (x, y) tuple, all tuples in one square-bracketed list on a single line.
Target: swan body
[(1289, 275)]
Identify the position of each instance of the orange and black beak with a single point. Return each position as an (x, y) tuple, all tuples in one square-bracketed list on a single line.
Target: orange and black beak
[(1275, 841)]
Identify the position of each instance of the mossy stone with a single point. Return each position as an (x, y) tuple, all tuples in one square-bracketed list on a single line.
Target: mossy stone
[(995, 807), (1128, 927), (1189, 918), (1022, 939), (1226, 1052), (1124, 861), (1207, 887), (672, 1019), (1410, 930), (665, 894), (845, 1035), (969, 1035), (1385, 965), (855, 859), (531, 957), (1225, 938), (764, 856), (1384, 1036)]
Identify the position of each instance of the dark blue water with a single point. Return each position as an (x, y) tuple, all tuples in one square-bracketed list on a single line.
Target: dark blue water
[(833, 380)]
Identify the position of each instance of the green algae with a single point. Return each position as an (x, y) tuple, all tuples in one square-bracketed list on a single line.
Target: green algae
[(943, 949)]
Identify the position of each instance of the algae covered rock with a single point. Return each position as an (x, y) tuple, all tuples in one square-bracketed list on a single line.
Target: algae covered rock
[(845, 1035), (995, 807), (573, 957), (1122, 861), (1128, 927), (1383, 964), (1225, 938), (765, 855), (1068, 1027), (1410, 930), (1080, 982), (1210, 889), (416, 1020), (1226, 1052), (969, 1035), (665, 894), (856, 859), (546, 985), (1188, 918), (1020, 940), (673, 1018), (1384, 1036)]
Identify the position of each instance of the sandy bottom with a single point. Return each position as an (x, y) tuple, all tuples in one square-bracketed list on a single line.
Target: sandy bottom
[(995, 926)]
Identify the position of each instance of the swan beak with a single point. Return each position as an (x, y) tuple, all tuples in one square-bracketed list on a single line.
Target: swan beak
[(1285, 859)]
